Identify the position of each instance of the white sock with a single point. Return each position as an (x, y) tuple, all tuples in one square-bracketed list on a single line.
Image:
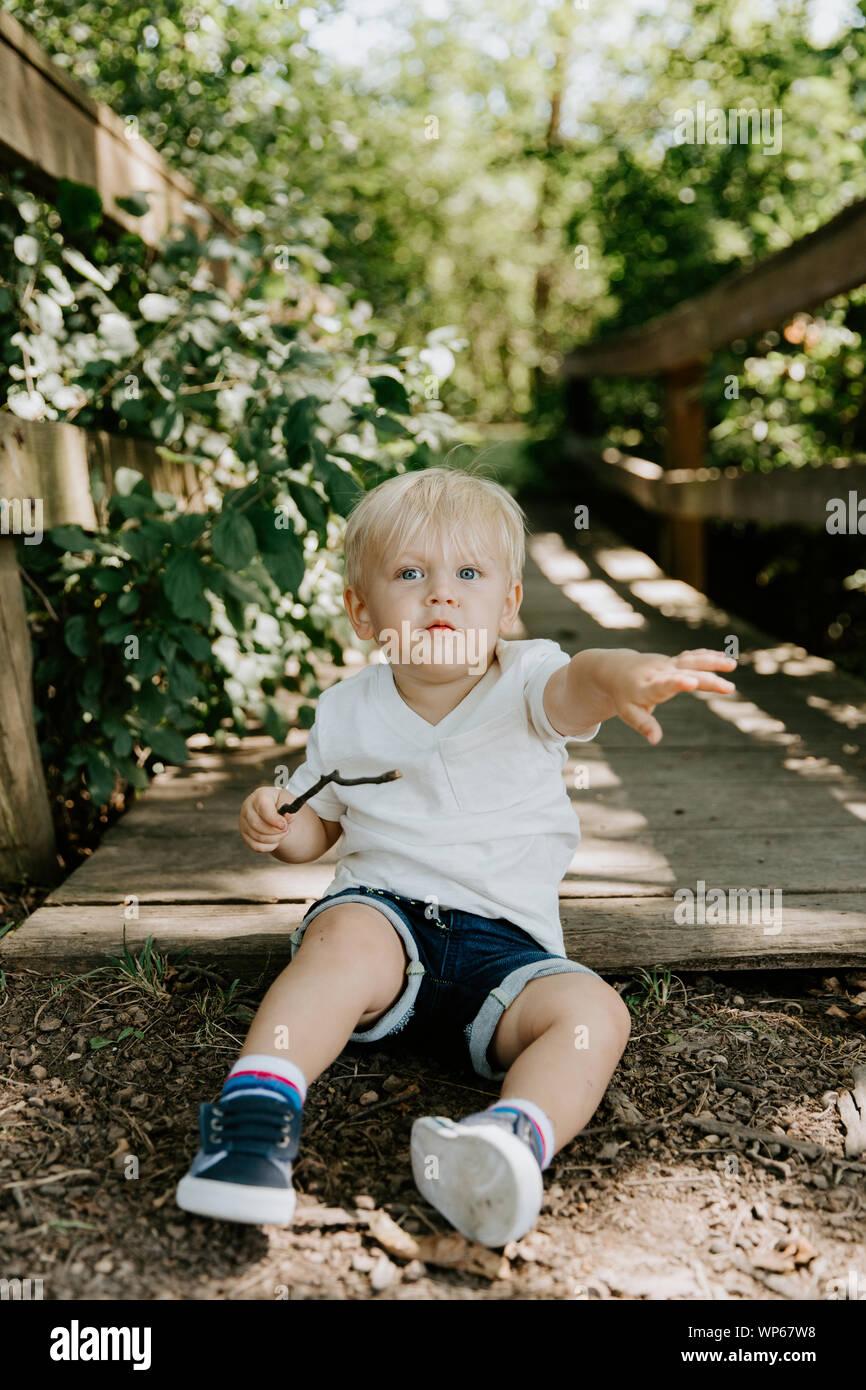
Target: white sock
[(272, 1070), (540, 1120)]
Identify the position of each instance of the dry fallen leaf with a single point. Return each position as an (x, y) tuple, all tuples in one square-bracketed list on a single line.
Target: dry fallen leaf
[(785, 1260), (391, 1236), (457, 1252), (835, 1012), (324, 1216)]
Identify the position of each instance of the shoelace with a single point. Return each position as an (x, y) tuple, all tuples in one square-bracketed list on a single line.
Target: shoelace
[(261, 1124)]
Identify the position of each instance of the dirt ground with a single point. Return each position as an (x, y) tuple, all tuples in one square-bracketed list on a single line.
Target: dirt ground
[(101, 1076)]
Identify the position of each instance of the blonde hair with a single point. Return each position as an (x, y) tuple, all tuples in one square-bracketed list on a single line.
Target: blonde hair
[(413, 505)]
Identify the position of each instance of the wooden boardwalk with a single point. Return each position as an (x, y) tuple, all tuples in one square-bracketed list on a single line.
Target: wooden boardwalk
[(764, 789)]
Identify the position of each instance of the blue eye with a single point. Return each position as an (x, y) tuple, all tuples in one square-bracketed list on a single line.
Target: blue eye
[(406, 570), (470, 567)]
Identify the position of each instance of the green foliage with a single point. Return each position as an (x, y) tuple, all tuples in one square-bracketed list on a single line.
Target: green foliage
[(165, 621)]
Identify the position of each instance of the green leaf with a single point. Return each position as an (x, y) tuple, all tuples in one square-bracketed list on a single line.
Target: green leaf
[(129, 602), (306, 715), (309, 504), (76, 637), (276, 725), (234, 541), (134, 505), (391, 394), (151, 703), (100, 776), (70, 538), (188, 527), (195, 644), (183, 585), (298, 428), (286, 567), (167, 744), (136, 204), (183, 683), (96, 1043), (79, 206), (342, 489), (121, 744), (109, 579)]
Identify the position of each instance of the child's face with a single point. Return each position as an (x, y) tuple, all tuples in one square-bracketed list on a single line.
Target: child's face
[(445, 579)]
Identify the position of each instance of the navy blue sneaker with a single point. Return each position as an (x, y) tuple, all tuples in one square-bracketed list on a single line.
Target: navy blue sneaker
[(482, 1173), (243, 1170)]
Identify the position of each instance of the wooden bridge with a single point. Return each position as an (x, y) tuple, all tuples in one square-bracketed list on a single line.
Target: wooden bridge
[(762, 790)]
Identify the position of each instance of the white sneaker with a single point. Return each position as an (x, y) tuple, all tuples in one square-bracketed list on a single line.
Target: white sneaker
[(481, 1173)]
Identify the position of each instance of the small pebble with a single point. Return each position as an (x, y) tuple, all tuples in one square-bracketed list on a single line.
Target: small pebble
[(48, 1025), (414, 1270), (365, 1203), (391, 1084), (38, 1073), (369, 1097), (362, 1261), (384, 1274)]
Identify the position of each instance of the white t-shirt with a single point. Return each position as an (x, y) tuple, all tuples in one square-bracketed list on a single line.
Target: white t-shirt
[(480, 820)]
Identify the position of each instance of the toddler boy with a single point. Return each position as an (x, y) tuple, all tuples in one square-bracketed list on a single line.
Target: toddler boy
[(442, 920)]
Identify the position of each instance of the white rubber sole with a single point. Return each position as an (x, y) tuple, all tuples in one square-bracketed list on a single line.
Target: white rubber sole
[(481, 1178), (229, 1201)]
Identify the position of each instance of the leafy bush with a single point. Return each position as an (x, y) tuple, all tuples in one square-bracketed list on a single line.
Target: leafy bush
[(169, 620)]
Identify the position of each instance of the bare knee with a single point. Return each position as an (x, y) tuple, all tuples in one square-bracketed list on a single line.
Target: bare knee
[(363, 945)]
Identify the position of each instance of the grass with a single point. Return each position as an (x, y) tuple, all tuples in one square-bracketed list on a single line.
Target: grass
[(656, 988)]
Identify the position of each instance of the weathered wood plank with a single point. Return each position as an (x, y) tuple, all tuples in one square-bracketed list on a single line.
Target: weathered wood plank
[(53, 461), (827, 262), (27, 846), (792, 496), (49, 124), (609, 936)]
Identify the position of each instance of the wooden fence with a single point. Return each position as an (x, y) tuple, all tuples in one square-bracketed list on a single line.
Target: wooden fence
[(52, 129), (678, 344)]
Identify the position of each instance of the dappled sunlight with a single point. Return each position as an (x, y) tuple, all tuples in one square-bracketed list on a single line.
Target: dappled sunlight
[(847, 715), (787, 659), (566, 569), (624, 564), (604, 604), (675, 599)]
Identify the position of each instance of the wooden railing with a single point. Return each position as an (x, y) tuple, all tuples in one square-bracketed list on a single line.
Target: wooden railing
[(678, 344), (52, 129)]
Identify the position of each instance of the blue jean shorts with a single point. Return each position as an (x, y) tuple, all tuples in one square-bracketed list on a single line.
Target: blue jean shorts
[(463, 972)]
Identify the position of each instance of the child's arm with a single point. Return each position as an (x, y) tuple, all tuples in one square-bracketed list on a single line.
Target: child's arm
[(600, 683), (293, 839)]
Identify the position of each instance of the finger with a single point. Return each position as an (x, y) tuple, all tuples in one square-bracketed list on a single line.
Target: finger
[(663, 687), (266, 825), (703, 659), (642, 722), (709, 682), (265, 812)]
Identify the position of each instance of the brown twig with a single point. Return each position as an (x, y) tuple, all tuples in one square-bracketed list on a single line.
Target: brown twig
[(291, 808)]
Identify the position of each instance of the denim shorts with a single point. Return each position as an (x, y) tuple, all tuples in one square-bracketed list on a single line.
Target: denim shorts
[(463, 972)]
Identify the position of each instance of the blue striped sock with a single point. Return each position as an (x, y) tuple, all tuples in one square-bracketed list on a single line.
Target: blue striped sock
[(542, 1129), (260, 1074)]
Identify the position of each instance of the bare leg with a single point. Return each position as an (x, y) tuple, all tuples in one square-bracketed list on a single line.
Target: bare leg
[(562, 1039), (349, 969)]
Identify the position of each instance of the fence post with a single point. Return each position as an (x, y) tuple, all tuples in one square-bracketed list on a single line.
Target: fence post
[(27, 845), (682, 548)]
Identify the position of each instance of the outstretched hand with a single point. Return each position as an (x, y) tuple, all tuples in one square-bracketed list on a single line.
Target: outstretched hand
[(642, 682)]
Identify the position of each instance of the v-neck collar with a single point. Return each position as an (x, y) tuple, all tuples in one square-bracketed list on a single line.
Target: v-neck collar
[(413, 725)]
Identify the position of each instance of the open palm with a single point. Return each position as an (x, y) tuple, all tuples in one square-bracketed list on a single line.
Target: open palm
[(651, 679)]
